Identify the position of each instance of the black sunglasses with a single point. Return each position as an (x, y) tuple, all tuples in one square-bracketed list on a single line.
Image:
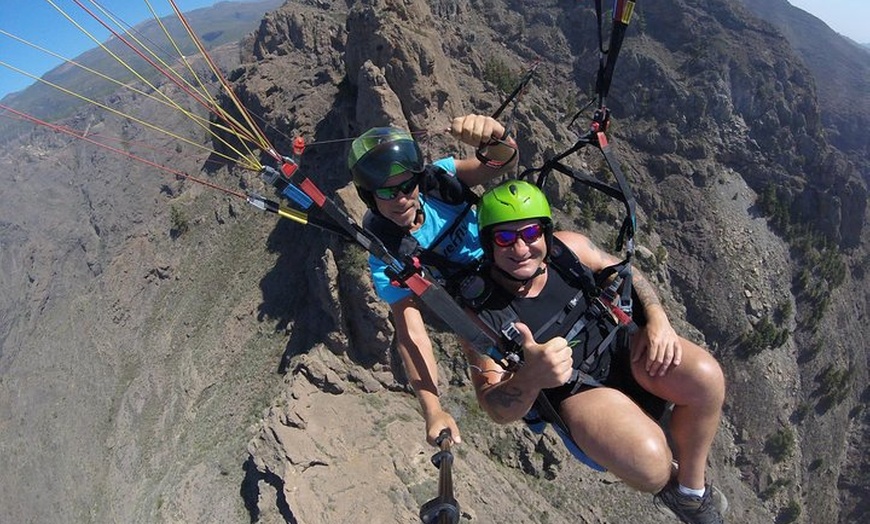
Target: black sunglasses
[(392, 192), (509, 237)]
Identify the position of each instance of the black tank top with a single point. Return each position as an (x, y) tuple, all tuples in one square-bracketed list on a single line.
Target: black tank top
[(550, 303)]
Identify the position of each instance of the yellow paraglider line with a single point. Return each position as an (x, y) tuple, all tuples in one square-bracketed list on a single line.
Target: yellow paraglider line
[(247, 164), (256, 136), (160, 100), (83, 136), (235, 128), (238, 132), (246, 131), (232, 126), (264, 142), (201, 95)]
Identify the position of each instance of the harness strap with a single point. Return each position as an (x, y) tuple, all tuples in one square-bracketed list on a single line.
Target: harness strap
[(622, 11), (579, 377), (576, 275), (558, 319), (629, 224)]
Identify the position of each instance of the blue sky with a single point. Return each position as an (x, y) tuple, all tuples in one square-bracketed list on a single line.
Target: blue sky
[(38, 22), (848, 17)]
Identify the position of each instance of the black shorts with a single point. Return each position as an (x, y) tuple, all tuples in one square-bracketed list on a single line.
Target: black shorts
[(619, 378)]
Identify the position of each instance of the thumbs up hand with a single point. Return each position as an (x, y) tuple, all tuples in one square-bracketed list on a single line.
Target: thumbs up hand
[(547, 365)]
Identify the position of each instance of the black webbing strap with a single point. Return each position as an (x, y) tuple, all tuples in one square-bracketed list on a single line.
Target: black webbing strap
[(622, 11)]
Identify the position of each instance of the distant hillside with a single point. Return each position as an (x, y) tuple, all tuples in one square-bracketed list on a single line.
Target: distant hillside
[(841, 69), (217, 25)]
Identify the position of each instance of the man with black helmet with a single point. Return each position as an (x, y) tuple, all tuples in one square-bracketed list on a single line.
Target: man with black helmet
[(425, 211)]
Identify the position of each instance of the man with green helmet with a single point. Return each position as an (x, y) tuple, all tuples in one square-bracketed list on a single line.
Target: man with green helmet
[(426, 212), (604, 396)]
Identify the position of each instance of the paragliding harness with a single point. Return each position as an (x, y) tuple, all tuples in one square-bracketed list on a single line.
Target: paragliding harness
[(594, 306), (594, 303)]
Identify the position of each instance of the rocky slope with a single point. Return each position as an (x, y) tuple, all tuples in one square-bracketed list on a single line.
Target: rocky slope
[(239, 369), (842, 75)]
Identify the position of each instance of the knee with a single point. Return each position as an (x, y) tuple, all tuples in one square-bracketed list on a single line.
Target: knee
[(655, 465), (710, 382), (716, 383)]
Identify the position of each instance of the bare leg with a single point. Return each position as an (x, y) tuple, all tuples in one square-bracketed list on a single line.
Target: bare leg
[(697, 389), (610, 428)]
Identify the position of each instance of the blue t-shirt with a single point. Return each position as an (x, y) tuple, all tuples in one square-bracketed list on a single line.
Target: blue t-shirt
[(461, 246)]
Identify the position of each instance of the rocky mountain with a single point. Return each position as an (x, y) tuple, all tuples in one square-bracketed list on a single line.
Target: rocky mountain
[(841, 72), (169, 355)]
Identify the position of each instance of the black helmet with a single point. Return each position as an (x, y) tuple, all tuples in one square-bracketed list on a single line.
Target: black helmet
[(381, 153)]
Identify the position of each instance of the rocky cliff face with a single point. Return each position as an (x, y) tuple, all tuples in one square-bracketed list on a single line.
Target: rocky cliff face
[(841, 71), (242, 370)]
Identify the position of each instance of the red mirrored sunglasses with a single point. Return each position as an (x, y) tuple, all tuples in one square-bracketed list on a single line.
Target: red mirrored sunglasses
[(509, 237)]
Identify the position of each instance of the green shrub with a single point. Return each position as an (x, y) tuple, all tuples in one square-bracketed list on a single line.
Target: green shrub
[(499, 74), (774, 488), (780, 445), (789, 513), (783, 311), (822, 267), (178, 223), (834, 384), (776, 207), (764, 335)]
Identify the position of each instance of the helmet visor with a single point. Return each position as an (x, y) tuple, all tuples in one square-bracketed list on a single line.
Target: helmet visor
[(390, 159)]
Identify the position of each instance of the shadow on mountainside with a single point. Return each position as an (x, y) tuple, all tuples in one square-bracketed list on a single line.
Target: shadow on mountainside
[(288, 298), (296, 292), (250, 493)]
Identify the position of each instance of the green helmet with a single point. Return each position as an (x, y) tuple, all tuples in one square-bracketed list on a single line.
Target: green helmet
[(380, 153), (509, 202)]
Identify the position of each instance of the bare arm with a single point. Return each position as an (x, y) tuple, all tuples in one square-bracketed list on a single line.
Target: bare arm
[(507, 396), (597, 259), (658, 341), (477, 130), (415, 348)]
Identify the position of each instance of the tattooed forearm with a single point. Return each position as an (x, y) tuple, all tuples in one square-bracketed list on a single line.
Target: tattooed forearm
[(644, 290), (504, 396)]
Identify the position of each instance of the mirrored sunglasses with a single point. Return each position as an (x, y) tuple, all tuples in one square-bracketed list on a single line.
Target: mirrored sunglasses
[(509, 237), (392, 192)]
